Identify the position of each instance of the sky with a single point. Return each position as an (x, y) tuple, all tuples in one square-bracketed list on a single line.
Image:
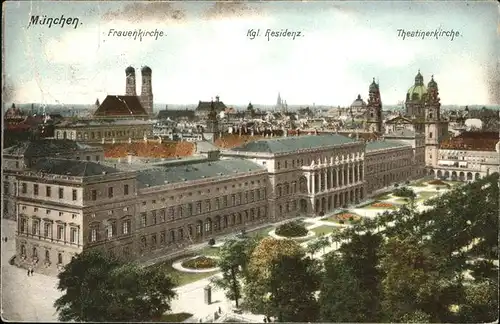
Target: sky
[(206, 51)]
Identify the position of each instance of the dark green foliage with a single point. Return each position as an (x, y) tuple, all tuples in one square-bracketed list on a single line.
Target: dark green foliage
[(292, 229), (292, 285), (100, 288), (404, 192), (211, 242), (233, 260), (341, 298)]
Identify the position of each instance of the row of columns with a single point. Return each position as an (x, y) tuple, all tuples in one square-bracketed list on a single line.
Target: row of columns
[(328, 178)]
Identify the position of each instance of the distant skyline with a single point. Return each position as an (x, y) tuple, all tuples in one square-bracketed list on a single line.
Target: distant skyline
[(206, 51)]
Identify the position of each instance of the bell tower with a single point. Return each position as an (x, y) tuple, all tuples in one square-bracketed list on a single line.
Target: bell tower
[(434, 131), (130, 85), (374, 108), (146, 97)]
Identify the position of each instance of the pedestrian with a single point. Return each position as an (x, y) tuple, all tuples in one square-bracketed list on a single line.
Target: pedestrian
[(6, 239), (265, 320), (28, 272), (220, 310), (32, 271), (268, 319)]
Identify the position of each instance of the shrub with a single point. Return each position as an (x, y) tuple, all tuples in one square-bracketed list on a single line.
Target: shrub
[(211, 242), (407, 182), (404, 192), (321, 213), (351, 218), (291, 229), (396, 185), (201, 262), (341, 221)]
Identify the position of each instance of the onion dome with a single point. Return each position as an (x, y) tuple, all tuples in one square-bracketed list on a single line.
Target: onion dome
[(432, 84), (419, 79), (418, 91), (146, 70), (130, 70)]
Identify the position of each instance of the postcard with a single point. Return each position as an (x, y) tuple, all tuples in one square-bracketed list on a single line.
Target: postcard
[(152, 129)]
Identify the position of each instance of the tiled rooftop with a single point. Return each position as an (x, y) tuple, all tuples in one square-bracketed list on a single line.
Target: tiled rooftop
[(177, 174), (385, 144), (46, 147), (291, 144), (71, 167)]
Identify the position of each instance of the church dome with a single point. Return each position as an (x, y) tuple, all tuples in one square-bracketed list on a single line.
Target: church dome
[(418, 91), (130, 69), (432, 83), (358, 103), (146, 69)]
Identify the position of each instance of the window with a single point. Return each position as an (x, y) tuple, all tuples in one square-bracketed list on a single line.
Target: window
[(162, 237), (162, 216), (35, 229), (93, 234), (224, 201), (74, 194), (35, 189), (87, 157), (47, 256), (153, 217), (110, 192), (278, 166), (97, 157), (198, 207), (73, 235), (217, 203), (24, 225), (48, 191), (111, 230), (60, 232), (47, 229), (126, 226), (17, 165), (94, 194), (24, 188), (125, 189), (430, 135), (61, 193), (59, 258), (190, 209), (233, 200), (153, 239), (143, 220)]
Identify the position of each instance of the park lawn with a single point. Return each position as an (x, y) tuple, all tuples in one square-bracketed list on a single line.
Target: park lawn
[(263, 232), (401, 201), (424, 195), (384, 196), (174, 317), (184, 278), (209, 250), (323, 230)]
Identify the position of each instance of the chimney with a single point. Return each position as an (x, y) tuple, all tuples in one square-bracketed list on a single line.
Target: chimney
[(217, 98)]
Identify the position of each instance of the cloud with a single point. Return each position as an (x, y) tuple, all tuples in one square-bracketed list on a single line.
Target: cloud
[(143, 11), (229, 9)]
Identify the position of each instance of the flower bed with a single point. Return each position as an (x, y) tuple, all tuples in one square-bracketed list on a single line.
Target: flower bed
[(347, 217), (382, 205), (292, 229), (201, 262), (437, 183)]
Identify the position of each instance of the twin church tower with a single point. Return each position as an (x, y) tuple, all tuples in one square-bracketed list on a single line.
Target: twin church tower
[(146, 97)]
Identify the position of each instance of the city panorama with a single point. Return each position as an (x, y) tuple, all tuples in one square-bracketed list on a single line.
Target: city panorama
[(219, 175)]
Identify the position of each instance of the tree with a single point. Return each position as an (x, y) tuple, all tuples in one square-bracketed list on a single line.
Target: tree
[(292, 286), (98, 287), (361, 255), (267, 253), (411, 279), (233, 260), (481, 303), (340, 293), (318, 244)]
